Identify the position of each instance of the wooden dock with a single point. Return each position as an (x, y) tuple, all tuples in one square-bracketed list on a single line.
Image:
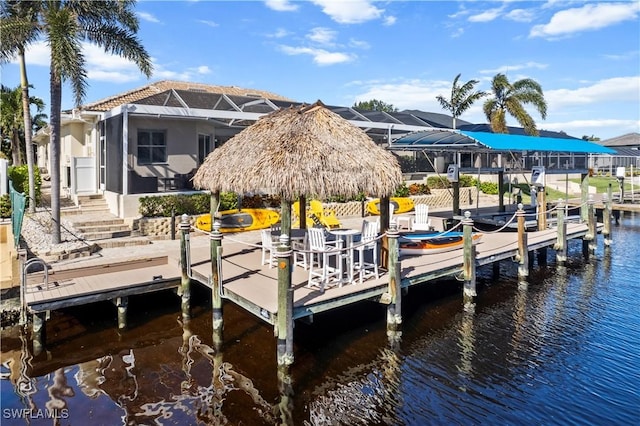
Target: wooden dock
[(264, 291), (74, 286), (255, 287)]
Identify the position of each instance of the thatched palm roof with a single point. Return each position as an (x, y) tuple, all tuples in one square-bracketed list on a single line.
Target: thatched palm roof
[(306, 150)]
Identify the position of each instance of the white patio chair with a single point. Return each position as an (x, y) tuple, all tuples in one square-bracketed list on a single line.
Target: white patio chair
[(421, 221), (268, 246), (368, 243), (300, 252), (321, 271)]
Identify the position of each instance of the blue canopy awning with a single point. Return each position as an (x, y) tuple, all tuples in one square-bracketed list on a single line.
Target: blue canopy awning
[(460, 140)]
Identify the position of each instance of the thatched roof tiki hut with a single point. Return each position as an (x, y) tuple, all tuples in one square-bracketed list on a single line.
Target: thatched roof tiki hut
[(298, 152)]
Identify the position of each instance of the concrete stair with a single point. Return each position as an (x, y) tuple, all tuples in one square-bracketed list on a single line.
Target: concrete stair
[(98, 225)]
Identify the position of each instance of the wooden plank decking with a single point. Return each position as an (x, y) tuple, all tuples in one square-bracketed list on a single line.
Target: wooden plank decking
[(254, 286), (77, 286)]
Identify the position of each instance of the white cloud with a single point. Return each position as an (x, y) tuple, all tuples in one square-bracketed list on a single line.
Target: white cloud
[(520, 15), (360, 44), (281, 5), (487, 15), (279, 33), (321, 35), (389, 21), (351, 11), (211, 24), (36, 54), (589, 17), (617, 90), (148, 17), (320, 56), (510, 68)]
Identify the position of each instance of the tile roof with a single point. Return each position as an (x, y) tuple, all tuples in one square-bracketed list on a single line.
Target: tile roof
[(164, 85), (629, 140)]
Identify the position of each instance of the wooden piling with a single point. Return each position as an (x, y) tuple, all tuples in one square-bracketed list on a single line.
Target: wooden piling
[(122, 303), (394, 309), (215, 244), (185, 282), (284, 321), (590, 237), (561, 241), (215, 279), (584, 196), (469, 260), (39, 332), (606, 217), (542, 209), (523, 250)]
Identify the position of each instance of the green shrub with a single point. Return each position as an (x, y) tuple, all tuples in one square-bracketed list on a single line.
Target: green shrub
[(5, 206), (19, 176), (489, 187)]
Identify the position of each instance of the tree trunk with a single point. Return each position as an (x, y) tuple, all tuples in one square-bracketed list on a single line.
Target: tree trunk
[(54, 144), (26, 111)]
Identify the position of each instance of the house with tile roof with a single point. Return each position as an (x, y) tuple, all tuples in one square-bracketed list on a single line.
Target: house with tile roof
[(627, 154), (152, 139)]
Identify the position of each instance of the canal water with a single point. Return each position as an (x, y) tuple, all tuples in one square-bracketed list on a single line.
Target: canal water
[(561, 349)]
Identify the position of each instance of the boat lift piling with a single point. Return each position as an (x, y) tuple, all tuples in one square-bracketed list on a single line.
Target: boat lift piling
[(523, 252), (469, 260), (561, 241), (589, 240), (607, 199)]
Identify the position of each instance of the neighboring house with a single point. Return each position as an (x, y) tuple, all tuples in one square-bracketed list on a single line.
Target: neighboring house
[(152, 139), (627, 149)]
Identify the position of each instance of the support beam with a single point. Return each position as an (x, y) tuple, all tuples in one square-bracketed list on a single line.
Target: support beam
[(185, 268), (39, 332), (122, 303), (591, 223), (561, 241), (501, 207), (469, 260), (284, 321), (523, 250), (606, 217), (394, 309), (215, 252)]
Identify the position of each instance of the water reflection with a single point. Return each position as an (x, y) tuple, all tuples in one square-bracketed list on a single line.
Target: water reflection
[(565, 341)]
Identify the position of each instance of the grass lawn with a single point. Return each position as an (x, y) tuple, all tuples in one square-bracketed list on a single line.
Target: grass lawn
[(601, 184)]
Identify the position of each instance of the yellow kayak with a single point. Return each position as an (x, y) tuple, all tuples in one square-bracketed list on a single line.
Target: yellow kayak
[(402, 205), (240, 220)]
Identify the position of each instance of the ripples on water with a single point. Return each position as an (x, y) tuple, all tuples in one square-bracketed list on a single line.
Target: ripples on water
[(563, 349)]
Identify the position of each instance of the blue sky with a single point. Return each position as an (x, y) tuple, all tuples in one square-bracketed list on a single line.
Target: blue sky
[(585, 55)]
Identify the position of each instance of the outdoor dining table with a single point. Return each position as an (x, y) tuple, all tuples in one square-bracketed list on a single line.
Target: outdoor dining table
[(294, 234), (347, 236)]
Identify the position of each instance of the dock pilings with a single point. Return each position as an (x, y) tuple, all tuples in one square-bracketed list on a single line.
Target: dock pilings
[(284, 320), (394, 308), (215, 245), (523, 250), (607, 199), (561, 240), (185, 280), (468, 259), (589, 240)]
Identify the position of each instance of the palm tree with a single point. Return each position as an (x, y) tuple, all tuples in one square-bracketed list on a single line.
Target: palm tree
[(12, 122), (111, 24), (16, 31), (462, 97), (510, 99)]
